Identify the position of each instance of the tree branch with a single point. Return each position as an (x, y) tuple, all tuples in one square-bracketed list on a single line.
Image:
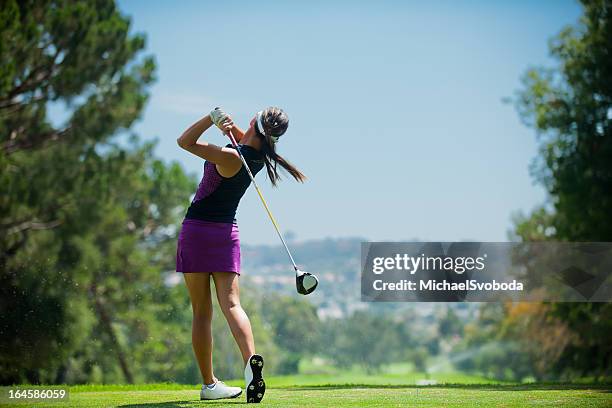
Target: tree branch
[(30, 83), (30, 225), (15, 143), (107, 324)]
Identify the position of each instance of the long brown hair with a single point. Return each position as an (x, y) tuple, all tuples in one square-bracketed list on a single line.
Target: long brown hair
[(275, 123)]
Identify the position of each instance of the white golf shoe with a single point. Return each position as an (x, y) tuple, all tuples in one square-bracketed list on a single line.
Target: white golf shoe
[(253, 379), (219, 391)]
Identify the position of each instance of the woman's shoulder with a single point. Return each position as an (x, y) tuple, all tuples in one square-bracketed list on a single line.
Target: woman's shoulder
[(249, 153)]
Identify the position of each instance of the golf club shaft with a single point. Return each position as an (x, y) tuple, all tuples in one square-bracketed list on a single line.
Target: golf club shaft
[(246, 166)]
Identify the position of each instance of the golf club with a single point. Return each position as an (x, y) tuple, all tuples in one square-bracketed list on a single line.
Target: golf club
[(305, 282)]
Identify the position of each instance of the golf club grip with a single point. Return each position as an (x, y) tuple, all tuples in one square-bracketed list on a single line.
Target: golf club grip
[(246, 165)]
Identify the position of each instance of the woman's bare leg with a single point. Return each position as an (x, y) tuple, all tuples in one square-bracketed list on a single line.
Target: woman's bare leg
[(198, 285), (228, 294)]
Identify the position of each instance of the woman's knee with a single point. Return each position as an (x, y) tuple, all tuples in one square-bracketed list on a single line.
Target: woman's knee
[(228, 291), (229, 304)]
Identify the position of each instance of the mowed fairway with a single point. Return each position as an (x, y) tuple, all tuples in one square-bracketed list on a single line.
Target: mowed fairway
[(473, 395)]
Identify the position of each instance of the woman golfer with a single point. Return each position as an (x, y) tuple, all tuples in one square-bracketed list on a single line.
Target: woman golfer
[(208, 243)]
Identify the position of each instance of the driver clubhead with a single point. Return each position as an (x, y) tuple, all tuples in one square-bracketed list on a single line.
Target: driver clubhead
[(305, 282)]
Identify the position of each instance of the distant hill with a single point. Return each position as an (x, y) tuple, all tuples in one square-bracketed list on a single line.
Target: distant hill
[(336, 262)]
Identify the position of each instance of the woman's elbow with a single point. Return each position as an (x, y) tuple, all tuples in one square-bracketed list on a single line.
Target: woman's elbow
[(181, 142)]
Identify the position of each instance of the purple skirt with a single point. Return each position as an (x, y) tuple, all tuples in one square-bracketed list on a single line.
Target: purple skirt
[(206, 246)]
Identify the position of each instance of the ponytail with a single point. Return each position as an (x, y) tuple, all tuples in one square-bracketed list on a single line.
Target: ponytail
[(273, 159)]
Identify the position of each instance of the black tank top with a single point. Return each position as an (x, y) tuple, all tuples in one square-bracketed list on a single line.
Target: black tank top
[(217, 197)]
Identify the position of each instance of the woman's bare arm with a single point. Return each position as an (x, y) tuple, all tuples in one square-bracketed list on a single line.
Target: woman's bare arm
[(224, 157), (193, 133)]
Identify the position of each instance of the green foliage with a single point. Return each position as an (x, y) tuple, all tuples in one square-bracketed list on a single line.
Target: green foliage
[(589, 353), (87, 226), (489, 349), (570, 106), (450, 324), (366, 340), (296, 327)]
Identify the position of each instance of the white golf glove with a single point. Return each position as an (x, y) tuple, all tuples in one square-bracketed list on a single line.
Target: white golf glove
[(218, 117)]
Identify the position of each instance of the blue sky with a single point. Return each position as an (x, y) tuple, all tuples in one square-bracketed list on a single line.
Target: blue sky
[(396, 107)]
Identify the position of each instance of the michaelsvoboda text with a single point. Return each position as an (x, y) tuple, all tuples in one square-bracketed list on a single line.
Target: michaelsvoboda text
[(413, 264)]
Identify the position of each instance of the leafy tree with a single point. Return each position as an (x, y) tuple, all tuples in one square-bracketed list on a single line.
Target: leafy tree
[(85, 223), (367, 340), (450, 324), (491, 346), (295, 325), (570, 107)]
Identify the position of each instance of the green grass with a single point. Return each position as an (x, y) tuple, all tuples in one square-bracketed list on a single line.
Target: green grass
[(350, 390)]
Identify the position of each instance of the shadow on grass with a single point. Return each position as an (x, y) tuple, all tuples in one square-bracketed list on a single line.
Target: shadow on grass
[(607, 387)]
